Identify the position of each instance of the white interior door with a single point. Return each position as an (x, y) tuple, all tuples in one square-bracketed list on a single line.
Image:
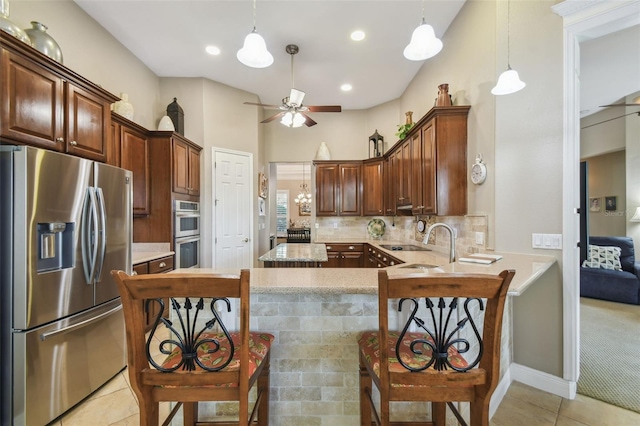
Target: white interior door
[(233, 210)]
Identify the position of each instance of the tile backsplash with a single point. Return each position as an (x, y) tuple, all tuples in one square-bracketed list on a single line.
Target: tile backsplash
[(403, 228)]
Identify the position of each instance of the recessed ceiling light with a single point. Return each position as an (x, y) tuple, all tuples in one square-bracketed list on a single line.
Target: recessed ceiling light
[(346, 87), (357, 35), (213, 50)]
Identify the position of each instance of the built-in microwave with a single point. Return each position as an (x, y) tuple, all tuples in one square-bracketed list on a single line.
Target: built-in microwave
[(186, 219), (187, 252)]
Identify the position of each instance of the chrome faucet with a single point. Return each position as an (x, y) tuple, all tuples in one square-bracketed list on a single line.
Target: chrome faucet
[(452, 240)]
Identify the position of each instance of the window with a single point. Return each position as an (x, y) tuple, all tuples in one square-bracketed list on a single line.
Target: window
[(282, 212)]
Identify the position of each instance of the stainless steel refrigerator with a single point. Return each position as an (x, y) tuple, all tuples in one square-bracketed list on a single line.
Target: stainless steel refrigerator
[(65, 223)]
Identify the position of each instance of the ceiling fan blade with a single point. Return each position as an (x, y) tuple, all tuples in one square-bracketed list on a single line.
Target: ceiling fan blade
[(308, 121), (325, 108), (262, 105), (295, 97), (273, 117), (618, 105)]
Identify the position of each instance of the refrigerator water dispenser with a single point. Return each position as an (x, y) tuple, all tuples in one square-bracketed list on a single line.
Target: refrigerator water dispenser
[(55, 246)]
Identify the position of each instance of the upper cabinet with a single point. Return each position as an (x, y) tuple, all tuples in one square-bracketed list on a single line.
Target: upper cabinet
[(47, 105), (130, 150), (186, 167), (373, 184), (339, 188)]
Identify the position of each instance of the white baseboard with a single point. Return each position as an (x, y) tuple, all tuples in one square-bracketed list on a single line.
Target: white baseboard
[(543, 381), (499, 393)]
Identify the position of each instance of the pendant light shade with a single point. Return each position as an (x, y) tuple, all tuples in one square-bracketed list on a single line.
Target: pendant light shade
[(509, 82), (424, 44), (254, 52)]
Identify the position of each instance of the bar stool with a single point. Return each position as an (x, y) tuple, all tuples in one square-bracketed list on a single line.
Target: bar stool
[(444, 353), (200, 360)]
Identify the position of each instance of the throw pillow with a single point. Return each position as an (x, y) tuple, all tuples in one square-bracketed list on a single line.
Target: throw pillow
[(603, 257)]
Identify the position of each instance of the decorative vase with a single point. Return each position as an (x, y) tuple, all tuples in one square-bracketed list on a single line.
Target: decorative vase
[(323, 152), (408, 117), (9, 27), (43, 42), (123, 107), (166, 124), (443, 99)]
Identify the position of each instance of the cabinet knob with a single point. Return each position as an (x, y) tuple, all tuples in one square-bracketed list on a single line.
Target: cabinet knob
[(162, 265), (134, 273), (351, 247), (74, 143), (60, 140), (328, 247)]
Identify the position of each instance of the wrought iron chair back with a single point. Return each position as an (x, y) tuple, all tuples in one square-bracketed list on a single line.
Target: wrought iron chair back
[(199, 359), (447, 350)]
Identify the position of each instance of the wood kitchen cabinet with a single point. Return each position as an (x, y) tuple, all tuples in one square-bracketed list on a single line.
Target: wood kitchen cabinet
[(342, 255), (156, 266), (401, 157), (339, 188), (186, 167), (46, 105), (389, 188), (130, 150), (440, 163), (372, 193), (377, 258)]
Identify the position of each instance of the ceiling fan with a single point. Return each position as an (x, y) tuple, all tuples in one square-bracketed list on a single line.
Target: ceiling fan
[(293, 112)]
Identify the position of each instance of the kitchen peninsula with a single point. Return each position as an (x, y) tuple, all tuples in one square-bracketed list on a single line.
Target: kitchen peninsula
[(316, 315), (295, 255)]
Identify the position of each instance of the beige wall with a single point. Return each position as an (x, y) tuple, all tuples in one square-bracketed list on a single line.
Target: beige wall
[(601, 133), (607, 177)]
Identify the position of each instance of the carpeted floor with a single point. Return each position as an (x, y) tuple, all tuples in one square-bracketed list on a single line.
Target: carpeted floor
[(609, 347)]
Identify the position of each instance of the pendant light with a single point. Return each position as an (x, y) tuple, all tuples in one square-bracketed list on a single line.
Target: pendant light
[(424, 44), (304, 197), (509, 82), (254, 52)]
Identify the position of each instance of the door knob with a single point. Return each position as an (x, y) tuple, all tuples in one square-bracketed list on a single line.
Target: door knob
[(246, 240)]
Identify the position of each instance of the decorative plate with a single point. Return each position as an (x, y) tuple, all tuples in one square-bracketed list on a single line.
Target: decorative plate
[(376, 228)]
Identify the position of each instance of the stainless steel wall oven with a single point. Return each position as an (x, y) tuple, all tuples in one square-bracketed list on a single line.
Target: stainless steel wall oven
[(187, 234)]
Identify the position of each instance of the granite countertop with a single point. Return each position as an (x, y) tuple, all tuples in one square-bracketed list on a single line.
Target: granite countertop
[(145, 252), (296, 252)]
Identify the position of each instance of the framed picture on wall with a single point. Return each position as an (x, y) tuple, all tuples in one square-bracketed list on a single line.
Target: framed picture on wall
[(610, 204), (263, 185), (304, 209), (595, 204), (261, 207)]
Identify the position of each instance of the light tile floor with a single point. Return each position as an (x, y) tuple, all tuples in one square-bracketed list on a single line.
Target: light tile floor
[(115, 404)]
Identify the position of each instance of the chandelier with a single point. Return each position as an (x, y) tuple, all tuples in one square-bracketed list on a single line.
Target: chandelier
[(304, 197)]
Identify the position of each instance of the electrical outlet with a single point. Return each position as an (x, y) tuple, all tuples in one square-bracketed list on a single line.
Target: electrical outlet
[(335, 226), (317, 225), (480, 238)]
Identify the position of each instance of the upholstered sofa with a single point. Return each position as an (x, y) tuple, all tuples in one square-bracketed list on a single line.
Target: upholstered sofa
[(608, 284)]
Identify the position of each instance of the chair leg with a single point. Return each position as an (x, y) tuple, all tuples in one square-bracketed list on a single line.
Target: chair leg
[(365, 391), (479, 413), (190, 413), (439, 413), (149, 410), (263, 388)]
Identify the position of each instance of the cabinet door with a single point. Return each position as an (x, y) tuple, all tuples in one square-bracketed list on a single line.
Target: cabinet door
[(88, 124), (327, 190), (352, 259), (134, 147), (350, 190), (333, 260), (194, 172), (416, 173), (32, 103), (405, 173), (390, 182), (114, 145), (180, 167), (428, 166), (373, 192)]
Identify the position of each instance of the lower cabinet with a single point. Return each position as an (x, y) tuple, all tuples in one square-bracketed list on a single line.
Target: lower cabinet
[(376, 258), (157, 266), (345, 255)]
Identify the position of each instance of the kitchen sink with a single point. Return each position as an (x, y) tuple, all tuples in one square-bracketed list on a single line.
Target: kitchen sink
[(403, 247), (419, 266)]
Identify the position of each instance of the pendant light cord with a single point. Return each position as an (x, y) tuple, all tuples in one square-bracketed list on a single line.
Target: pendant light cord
[(254, 15), (508, 34)]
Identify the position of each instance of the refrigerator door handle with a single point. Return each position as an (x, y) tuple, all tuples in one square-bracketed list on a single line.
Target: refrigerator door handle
[(89, 235), (45, 336), (102, 233)]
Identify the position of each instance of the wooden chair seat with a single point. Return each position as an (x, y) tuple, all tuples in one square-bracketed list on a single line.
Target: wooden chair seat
[(453, 357), (199, 359)]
